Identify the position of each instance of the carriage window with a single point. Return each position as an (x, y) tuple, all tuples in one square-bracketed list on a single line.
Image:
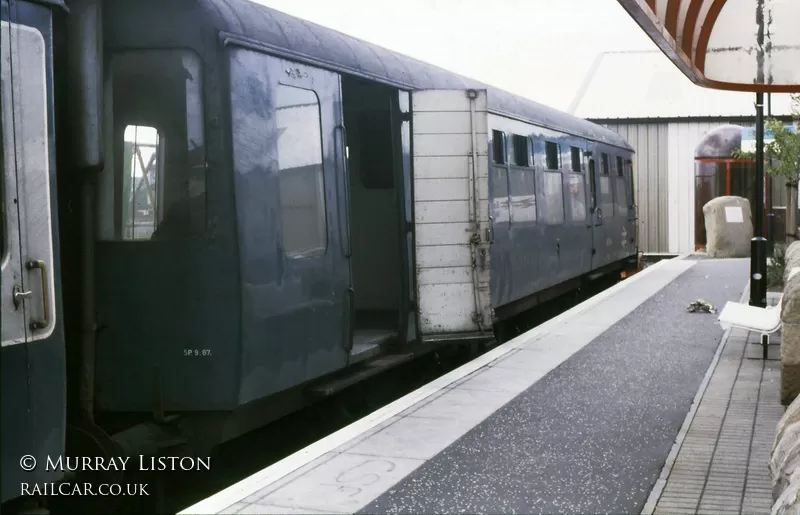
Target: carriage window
[(629, 182), (620, 190), (6, 115), (521, 153), (3, 228), (523, 195), (142, 191), (154, 185), (552, 155), (606, 196), (577, 198), (604, 164), (620, 195), (553, 199), (499, 147), (3, 214), (575, 153), (302, 187), (499, 193)]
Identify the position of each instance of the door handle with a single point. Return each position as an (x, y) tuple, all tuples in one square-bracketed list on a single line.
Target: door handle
[(346, 243), (41, 324), (19, 295)]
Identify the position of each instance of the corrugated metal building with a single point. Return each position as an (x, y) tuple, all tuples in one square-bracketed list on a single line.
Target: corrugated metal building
[(664, 116)]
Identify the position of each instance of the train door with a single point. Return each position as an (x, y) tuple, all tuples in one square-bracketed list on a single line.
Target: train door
[(631, 204), (33, 382), (607, 223), (595, 220), (292, 204), (14, 274), (594, 180), (454, 233), (401, 115), (27, 264)]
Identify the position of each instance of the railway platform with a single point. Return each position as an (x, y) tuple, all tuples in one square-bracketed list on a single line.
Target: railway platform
[(626, 403)]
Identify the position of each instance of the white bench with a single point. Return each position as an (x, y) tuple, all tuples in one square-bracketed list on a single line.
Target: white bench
[(765, 321)]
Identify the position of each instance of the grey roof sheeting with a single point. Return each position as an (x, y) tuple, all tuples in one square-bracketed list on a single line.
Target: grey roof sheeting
[(265, 26)]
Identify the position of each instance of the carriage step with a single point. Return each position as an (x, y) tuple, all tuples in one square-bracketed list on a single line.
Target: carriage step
[(365, 371)]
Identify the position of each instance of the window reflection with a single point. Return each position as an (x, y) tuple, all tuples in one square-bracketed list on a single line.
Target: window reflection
[(577, 198), (606, 196), (302, 187), (523, 195), (575, 159), (142, 192), (629, 181), (3, 221), (500, 210), (498, 147), (552, 155), (153, 186), (620, 196), (553, 198)]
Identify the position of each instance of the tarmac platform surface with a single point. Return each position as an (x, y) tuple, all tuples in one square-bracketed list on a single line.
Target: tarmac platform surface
[(578, 415)]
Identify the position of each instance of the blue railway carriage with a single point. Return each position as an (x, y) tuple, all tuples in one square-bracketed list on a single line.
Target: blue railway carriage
[(33, 372), (254, 208), (514, 204), (312, 201)]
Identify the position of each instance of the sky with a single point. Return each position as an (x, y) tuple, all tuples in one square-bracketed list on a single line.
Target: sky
[(539, 49)]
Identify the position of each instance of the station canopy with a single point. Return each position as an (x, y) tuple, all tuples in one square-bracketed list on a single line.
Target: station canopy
[(744, 45)]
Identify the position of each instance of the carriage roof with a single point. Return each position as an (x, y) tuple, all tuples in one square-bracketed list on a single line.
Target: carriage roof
[(306, 41)]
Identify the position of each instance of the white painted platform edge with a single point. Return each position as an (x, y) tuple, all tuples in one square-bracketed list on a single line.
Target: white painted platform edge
[(661, 482), (252, 484)]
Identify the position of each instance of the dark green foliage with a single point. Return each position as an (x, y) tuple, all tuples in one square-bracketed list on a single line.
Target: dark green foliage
[(784, 149), (776, 267)]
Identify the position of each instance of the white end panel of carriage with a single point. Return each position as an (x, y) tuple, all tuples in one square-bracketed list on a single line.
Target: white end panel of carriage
[(451, 192)]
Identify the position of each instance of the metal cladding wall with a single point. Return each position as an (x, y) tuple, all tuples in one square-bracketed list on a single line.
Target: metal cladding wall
[(650, 165), (663, 116), (664, 175)]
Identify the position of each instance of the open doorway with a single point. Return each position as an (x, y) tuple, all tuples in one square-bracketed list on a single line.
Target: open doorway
[(377, 264)]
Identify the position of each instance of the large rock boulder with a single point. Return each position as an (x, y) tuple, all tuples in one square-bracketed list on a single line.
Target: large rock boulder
[(788, 503), (729, 227), (785, 459), (791, 258), (790, 416), (790, 341)]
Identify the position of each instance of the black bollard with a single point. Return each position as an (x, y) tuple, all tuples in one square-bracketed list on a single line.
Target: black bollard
[(758, 246)]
